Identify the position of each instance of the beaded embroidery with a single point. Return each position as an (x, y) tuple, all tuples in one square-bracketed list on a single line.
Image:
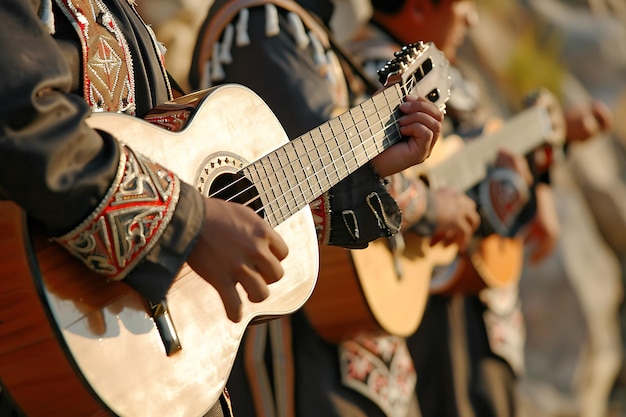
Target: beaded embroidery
[(321, 214), (129, 220), (108, 81), (380, 368)]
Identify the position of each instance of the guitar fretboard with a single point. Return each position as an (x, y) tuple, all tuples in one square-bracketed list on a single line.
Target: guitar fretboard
[(295, 174), (464, 169)]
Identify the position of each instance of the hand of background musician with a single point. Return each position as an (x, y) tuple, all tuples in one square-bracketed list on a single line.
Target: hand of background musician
[(421, 127), (237, 246), (456, 218), (542, 232), (587, 120), (517, 163)]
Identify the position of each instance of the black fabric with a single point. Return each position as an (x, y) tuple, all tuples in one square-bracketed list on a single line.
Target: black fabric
[(318, 387), (430, 350), (491, 388), (7, 406), (375, 211), (490, 385)]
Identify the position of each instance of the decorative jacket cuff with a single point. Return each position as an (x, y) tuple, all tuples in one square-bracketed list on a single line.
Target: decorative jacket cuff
[(129, 220)]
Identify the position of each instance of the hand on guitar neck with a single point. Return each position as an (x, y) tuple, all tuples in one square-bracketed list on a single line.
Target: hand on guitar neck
[(587, 120)]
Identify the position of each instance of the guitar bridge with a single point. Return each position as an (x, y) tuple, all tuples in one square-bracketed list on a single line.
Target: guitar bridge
[(397, 246), (165, 326)]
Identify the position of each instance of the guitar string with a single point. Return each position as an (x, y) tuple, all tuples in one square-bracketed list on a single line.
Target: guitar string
[(314, 151), (369, 143)]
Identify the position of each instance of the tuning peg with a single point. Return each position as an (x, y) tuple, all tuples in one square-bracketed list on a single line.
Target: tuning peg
[(383, 73), (392, 66)]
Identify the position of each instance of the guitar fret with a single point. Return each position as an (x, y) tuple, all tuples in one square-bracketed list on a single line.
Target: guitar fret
[(313, 167), (266, 188), (367, 125), (257, 173), (322, 161), (287, 192), (334, 152), (391, 128), (352, 138), (363, 126), (288, 171), (304, 176), (328, 161), (342, 149)]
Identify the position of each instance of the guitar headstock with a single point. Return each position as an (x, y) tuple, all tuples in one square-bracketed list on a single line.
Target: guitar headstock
[(422, 69)]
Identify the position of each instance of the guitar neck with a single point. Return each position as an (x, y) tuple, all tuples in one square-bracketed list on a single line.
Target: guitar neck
[(303, 169), (466, 168)]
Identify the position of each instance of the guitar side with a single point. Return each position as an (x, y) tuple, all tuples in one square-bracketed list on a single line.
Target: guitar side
[(105, 335), (33, 365)]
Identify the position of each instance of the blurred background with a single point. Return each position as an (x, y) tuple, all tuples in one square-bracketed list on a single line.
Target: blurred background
[(572, 303)]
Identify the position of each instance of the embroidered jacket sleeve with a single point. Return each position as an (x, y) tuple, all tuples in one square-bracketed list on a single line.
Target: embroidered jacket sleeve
[(77, 181), (269, 50)]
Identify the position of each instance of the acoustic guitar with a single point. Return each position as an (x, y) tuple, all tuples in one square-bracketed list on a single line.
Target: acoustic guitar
[(75, 344), (385, 287)]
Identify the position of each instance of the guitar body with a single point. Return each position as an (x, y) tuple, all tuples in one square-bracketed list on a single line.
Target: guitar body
[(374, 289), (75, 344), (495, 261), (379, 290)]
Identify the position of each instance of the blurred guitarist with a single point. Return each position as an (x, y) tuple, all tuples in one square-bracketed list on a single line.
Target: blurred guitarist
[(468, 346)]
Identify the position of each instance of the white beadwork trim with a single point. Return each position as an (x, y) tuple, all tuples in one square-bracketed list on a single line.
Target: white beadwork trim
[(302, 40), (272, 27), (242, 38)]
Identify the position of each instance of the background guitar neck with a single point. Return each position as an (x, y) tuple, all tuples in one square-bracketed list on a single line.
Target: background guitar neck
[(303, 169), (467, 167)]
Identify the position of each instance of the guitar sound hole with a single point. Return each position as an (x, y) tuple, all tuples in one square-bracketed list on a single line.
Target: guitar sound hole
[(237, 188)]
